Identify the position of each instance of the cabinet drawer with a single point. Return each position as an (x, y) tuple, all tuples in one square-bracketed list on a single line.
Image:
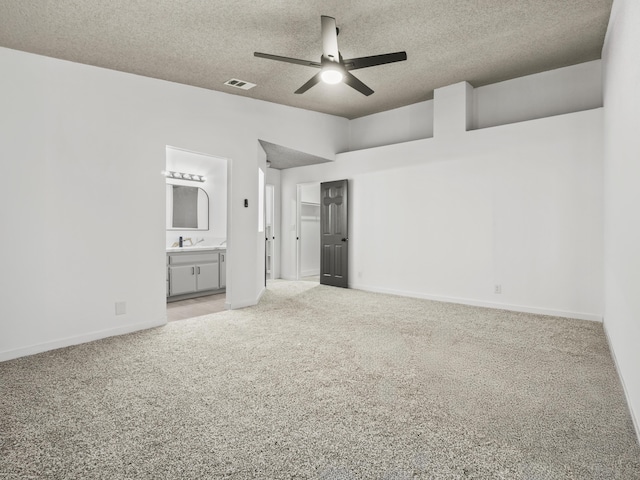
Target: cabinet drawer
[(191, 258)]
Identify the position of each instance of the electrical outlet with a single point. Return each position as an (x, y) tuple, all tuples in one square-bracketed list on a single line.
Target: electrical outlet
[(497, 289), (121, 308)]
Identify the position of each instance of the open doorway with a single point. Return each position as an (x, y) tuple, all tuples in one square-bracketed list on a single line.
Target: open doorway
[(269, 231), (196, 233), (308, 234)]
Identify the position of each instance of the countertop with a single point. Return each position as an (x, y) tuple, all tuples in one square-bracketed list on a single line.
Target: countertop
[(195, 248)]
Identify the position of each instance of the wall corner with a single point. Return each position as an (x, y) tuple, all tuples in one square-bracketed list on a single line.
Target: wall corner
[(453, 110)]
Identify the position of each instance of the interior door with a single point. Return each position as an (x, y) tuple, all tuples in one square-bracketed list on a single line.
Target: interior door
[(334, 227)]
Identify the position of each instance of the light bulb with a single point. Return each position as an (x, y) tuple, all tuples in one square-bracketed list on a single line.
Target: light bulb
[(331, 75)]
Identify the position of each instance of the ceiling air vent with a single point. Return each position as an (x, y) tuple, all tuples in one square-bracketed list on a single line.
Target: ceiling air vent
[(234, 82)]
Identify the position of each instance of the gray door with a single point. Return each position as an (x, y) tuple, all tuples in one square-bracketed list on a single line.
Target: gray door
[(334, 241)]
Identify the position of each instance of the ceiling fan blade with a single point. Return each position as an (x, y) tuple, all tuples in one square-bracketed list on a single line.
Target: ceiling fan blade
[(353, 82), (312, 81), (329, 38), (372, 61), (306, 63)]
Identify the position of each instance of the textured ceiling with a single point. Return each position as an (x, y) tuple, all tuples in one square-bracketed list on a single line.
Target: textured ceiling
[(206, 42), (280, 157)]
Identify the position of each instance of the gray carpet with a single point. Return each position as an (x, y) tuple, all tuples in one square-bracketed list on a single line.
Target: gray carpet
[(327, 383)]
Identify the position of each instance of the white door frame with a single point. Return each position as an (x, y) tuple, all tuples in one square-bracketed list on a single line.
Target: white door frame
[(269, 200)]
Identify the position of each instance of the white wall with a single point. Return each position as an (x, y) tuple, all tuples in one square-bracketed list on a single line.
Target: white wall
[(215, 171), (556, 92), (260, 184), (622, 195), (273, 178), (403, 124), (84, 213), (310, 193), (448, 218)]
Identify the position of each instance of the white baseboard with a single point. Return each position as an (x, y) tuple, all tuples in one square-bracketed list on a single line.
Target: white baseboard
[(76, 340), (594, 317), (309, 273), (241, 304), (264, 289), (245, 303), (634, 419)]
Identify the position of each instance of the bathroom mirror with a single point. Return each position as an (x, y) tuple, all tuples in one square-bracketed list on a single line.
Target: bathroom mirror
[(187, 208)]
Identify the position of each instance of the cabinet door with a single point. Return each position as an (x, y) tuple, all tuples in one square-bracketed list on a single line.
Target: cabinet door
[(182, 279), (223, 269), (208, 276)]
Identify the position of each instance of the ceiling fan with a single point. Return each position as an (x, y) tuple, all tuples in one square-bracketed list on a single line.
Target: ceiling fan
[(333, 68)]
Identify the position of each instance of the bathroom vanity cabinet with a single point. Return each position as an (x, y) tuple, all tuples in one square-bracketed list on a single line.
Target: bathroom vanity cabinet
[(223, 269), (193, 273)]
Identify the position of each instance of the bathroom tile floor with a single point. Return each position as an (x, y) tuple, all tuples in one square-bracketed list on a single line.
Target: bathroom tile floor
[(195, 307)]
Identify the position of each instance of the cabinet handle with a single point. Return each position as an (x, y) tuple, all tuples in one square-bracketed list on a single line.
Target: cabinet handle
[(198, 270), (193, 270), (222, 256)]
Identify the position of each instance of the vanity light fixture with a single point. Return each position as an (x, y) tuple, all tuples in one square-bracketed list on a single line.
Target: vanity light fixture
[(185, 176)]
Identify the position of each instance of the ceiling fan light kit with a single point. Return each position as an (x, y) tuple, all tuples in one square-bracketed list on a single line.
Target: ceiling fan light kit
[(333, 68), (331, 74)]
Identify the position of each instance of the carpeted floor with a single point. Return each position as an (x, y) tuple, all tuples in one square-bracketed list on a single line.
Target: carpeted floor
[(327, 383)]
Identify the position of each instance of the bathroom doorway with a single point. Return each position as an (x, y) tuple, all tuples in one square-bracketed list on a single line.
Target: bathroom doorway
[(196, 267)]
